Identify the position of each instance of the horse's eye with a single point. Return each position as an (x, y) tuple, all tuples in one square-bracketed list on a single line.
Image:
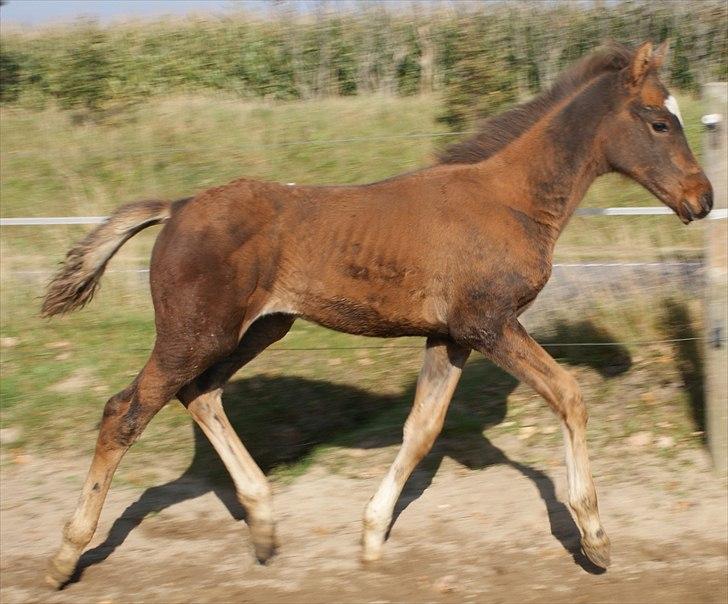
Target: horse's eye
[(660, 127)]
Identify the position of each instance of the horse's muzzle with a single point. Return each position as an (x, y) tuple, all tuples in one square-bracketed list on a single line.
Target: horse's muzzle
[(700, 208)]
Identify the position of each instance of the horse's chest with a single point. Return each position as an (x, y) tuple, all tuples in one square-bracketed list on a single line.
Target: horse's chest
[(487, 301), (507, 288)]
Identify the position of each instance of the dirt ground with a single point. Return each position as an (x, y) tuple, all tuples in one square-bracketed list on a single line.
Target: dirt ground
[(497, 534)]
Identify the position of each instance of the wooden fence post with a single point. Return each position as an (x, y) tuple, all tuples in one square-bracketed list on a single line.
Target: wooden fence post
[(716, 276)]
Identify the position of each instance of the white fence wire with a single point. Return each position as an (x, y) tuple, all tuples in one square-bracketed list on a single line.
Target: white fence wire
[(635, 211)]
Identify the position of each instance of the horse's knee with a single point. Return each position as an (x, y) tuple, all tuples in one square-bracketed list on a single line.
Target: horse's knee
[(571, 402)]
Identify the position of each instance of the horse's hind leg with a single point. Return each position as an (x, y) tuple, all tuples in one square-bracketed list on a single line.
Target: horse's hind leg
[(439, 376), (203, 399), (126, 414), (519, 354)]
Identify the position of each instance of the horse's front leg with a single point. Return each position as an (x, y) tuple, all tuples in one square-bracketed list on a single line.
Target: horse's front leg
[(516, 352), (439, 376)]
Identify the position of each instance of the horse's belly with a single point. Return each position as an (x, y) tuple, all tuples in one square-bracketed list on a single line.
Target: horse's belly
[(374, 315), (367, 293)]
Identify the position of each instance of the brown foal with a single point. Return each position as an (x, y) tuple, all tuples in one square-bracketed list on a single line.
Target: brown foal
[(453, 253)]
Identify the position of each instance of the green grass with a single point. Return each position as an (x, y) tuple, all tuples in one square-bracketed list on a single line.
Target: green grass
[(177, 146), (291, 407)]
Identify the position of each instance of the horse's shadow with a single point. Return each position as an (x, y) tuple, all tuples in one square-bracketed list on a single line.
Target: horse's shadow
[(281, 420)]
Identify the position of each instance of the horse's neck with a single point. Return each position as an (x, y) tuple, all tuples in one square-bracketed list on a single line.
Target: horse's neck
[(558, 160), (560, 190)]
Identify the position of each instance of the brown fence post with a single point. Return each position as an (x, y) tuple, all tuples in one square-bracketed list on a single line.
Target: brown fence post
[(716, 276)]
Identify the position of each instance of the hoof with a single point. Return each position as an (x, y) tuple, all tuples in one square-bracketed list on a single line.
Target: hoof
[(369, 561), (58, 575), (264, 551), (263, 536), (597, 552), (372, 542), (370, 555), (53, 582)]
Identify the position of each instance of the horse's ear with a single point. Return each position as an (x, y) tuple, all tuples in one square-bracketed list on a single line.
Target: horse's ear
[(659, 57), (641, 64)]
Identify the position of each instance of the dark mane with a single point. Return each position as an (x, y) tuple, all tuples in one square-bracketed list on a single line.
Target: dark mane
[(497, 131)]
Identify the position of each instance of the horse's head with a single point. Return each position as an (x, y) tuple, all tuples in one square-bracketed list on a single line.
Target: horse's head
[(646, 140)]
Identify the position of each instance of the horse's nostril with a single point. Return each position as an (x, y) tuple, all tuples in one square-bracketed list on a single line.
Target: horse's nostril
[(706, 201), (689, 214)]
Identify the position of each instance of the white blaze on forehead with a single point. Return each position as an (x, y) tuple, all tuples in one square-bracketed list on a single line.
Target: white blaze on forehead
[(671, 106)]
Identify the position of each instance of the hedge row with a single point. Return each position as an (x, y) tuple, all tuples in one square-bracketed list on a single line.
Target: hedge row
[(481, 55)]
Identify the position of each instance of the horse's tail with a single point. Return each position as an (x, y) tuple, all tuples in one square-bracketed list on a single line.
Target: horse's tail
[(76, 281)]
